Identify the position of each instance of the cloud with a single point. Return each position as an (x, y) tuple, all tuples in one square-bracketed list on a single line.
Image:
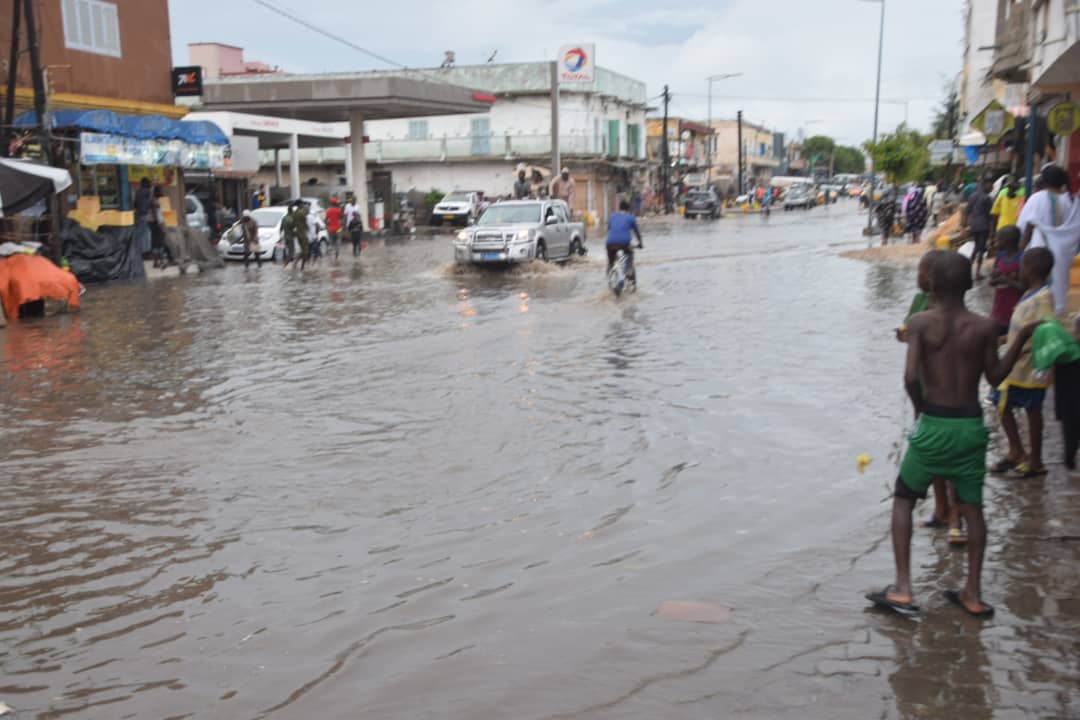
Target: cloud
[(789, 50)]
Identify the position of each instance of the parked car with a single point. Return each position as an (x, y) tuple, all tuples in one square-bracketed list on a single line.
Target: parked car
[(271, 246), (799, 196), (521, 231), (457, 208), (196, 213), (702, 203)]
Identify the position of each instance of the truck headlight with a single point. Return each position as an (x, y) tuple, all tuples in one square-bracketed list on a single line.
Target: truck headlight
[(524, 234), (463, 236)]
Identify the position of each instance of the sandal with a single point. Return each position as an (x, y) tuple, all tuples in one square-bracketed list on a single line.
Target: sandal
[(933, 524), (956, 537), (881, 599), (1023, 471), (1002, 466), (986, 613)]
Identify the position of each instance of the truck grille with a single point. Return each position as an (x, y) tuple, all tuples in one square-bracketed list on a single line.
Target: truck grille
[(490, 240)]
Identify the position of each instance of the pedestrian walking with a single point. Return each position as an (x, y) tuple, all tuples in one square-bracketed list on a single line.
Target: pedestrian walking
[(1005, 277), (250, 232), (1051, 219), (143, 206), (303, 233), (976, 218), (288, 234), (354, 225), (313, 234), (162, 253), (334, 216), (886, 214), (917, 214)]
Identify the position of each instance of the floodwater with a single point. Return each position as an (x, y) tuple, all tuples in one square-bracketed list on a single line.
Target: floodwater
[(395, 489)]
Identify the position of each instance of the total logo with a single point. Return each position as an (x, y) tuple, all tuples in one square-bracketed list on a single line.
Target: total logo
[(575, 59)]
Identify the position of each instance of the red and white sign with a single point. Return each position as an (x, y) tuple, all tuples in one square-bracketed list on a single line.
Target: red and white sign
[(577, 63)]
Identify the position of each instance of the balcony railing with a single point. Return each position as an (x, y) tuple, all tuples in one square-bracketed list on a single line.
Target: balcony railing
[(503, 147)]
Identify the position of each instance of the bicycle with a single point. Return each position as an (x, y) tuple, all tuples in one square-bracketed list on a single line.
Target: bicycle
[(622, 276)]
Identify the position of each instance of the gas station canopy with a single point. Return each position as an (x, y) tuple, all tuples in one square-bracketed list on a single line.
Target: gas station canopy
[(337, 97)]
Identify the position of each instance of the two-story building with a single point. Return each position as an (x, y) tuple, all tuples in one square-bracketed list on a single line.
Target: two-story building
[(759, 152), (601, 137)]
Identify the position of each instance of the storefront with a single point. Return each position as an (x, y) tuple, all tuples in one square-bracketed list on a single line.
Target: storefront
[(109, 154)]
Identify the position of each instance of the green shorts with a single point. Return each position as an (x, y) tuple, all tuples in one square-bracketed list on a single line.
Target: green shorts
[(953, 449)]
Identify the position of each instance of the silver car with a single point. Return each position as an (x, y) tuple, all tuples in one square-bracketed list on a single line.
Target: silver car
[(519, 232)]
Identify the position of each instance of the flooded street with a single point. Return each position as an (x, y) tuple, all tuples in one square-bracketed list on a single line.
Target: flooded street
[(393, 488)]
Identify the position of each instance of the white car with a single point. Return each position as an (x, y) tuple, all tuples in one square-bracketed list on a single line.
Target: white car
[(271, 246), (459, 207)]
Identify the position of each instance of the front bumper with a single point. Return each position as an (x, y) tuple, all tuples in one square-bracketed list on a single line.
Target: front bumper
[(514, 253)]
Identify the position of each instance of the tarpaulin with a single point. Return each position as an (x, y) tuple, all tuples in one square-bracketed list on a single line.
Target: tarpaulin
[(28, 278), (23, 183), (111, 253)]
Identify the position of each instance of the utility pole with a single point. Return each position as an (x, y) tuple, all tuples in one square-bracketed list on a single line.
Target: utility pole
[(665, 158), (556, 161), (39, 80), (741, 188), (13, 66)]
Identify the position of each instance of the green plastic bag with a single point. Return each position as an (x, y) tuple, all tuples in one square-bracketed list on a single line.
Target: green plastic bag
[(1053, 344)]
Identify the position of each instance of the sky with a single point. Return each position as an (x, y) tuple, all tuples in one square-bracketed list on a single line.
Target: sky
[(800, 59)]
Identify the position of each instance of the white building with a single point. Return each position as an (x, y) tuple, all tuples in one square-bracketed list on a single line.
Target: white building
[(977, 86), (601, 136)]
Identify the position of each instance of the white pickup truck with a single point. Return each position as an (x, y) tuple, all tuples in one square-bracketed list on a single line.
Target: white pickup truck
[(521, 231)]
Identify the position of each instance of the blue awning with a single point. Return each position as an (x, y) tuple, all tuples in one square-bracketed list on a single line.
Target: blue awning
[(103, 121), (143, 127)]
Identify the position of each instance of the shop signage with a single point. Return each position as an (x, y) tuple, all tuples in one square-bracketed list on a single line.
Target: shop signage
[(577, 63), (187, 81), (1064, 119), (103, 149), (994, 121)]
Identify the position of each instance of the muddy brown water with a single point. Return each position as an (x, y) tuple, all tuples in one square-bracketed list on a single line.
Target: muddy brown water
[(397, 489)]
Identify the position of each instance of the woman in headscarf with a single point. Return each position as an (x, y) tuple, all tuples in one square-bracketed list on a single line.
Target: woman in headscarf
[(917, 213), (886, 213)]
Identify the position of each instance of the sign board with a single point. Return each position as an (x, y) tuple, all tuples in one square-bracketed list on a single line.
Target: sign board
[(1064, 119), (941, 151), (695, 179), (187, 81), (577, 63), (994, 121), (103, 149)]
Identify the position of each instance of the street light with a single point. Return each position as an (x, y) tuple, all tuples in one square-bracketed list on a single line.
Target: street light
[(877, 105), (712, 135)]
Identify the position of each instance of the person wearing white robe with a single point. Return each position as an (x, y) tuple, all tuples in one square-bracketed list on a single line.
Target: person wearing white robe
[(1051, 219)]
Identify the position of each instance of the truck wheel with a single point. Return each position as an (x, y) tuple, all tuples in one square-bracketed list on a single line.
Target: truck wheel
[(541, 251)]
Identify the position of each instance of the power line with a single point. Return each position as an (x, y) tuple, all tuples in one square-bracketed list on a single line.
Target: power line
[(327, 33), (892, 101)]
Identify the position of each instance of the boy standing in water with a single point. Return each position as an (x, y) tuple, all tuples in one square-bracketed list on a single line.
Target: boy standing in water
[(1025, 387), (949, 349)]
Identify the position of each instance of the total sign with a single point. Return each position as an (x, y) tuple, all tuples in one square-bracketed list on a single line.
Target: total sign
[(577, 63)]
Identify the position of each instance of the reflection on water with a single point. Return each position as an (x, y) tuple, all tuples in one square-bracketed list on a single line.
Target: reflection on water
[(377, 487)]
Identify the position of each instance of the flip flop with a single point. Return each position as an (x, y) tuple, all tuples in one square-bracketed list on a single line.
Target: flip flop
[(954, 597), (1023, 471), (1002, 466), (934, 524), (881, 599), (956, 537)]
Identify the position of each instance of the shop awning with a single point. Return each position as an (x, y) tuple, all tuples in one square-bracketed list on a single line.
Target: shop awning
[(142, 127), (23, 183)]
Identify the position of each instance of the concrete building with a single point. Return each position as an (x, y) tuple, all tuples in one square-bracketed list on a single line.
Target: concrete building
[(688, 144), (601, 136), (100, 55), (760, 158), (977, 84), (220, 60)]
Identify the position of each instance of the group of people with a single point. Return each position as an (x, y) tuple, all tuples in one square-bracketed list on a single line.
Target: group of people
[(562, 187), (951, 348), (914, 210), (300, 231), (150, 223)]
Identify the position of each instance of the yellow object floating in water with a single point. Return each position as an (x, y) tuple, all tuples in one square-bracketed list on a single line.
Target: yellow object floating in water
[(862, 461)]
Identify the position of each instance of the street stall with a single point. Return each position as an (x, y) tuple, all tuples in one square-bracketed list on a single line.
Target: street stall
[(109, 155), (28, 280)]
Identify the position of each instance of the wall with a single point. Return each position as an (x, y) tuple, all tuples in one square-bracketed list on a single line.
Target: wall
[(1057, 33), (977, 90), (142, 73)]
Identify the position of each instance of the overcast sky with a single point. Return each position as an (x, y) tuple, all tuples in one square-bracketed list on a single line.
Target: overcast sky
[(788, 50)]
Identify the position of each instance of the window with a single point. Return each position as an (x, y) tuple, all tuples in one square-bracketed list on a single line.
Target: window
[(481, 136), (418, 130), (92, 26)]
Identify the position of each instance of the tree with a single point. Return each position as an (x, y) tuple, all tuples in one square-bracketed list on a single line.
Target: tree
[(947, 117), (902, 155), (848, 160), (818, 145)]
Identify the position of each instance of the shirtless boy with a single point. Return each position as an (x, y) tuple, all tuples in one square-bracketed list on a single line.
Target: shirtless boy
[(949, 349)]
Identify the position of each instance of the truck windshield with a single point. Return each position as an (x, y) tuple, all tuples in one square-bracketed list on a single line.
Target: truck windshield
[(510, 215)]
